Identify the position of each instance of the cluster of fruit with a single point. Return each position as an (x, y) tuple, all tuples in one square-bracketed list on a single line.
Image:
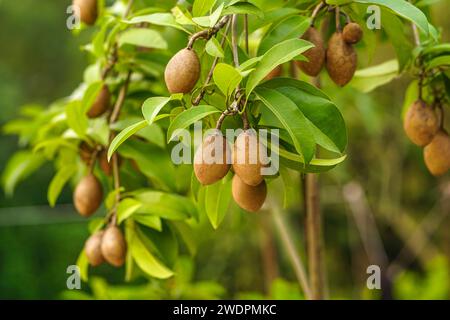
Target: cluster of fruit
[(423, 128), (340, 57)]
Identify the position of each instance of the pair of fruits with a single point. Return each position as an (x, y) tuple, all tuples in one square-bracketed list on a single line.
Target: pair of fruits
[(87, 10), (422, 127), (108, 245), (340, 56), (213, 160)]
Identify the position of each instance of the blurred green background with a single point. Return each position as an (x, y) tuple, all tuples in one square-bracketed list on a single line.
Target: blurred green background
[(383, 184)]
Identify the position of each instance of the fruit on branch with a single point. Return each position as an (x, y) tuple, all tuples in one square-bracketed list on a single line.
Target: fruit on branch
[(101, 103), (421, 123), (352, 33), (315, 56), (182, 71), (103, 162), (88, 195), (93, 250), (341, 60), (212, 160), (276, 72), (86, 10), (437, 154), (250, 198), (85, 152), (114, 247)]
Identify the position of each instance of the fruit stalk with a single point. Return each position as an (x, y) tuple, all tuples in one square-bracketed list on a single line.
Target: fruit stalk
[(316, 12)]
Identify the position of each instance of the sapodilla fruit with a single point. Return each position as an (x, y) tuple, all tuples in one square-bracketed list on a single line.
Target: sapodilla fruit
[(316, 55), (420, 123), (101, 103), (182, 71), (88, 195), (352, 33), (103, 162), (276, 72), (85, 152), (114, 247), (247, 158), (93, 250), (87, 10), (437, 154), (212, 160), (250, 198), (341, 60)]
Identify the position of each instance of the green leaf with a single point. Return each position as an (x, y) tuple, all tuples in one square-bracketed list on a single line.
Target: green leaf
[(152, 106), (217, 201), (124, 135), (202, 7), (371, 78), (143, 38), (76, 118), (83, 265), (226, 78), (145, 260), (20, 166), (403, 9), (188, 117), (292, 120), (278, 54), (209, 21), (126, 208), (244, 8), (289, 28), (147, 220), (442, 61), (159, 19), (90, 95), (213, 48), (59, 180)]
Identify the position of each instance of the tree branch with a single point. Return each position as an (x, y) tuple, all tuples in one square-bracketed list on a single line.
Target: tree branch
[(208, 33)]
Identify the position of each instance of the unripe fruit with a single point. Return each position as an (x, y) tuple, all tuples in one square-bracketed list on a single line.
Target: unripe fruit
[(341, 60), (182, 71), (212, 160), (93, 250), (247, 160), (87, 10), (276, 72), (101, 103), (316, 55), (250, 198), (437, 154), (421, 123), (352, 33), (88, 195), (114, 247)]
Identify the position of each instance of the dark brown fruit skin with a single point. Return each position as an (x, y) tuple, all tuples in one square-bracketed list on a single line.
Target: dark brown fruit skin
[(101, 103), (420, 123), (114, 247), (88, 10), (275, 73), (316, 55), (245, 152), (437, 154), (205, 168), (88, 195), (103, 162), (85, 152), (341, 60), (352, 33), (250, 198), (92, 247), (182, 71)]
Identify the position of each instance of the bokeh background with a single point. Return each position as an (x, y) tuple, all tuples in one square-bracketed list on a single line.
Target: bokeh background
[(381, 206)]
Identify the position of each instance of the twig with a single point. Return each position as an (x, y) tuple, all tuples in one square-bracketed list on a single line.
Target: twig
[(338, 19), (315, 12), (416, 34), (288, 244), (208, 33), (246, 32)]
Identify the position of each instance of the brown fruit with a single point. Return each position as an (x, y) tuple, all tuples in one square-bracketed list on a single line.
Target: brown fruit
[(352, 33), (85, 152), (250, 198), (437, 154), (104, 164), (421, 123), (212, 160), (87, 10), (276, 72), (88, 195), (92, 247), (247, 161), (316, 55), (101, 103), (341, 60), (182, 71), (114, 247)]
